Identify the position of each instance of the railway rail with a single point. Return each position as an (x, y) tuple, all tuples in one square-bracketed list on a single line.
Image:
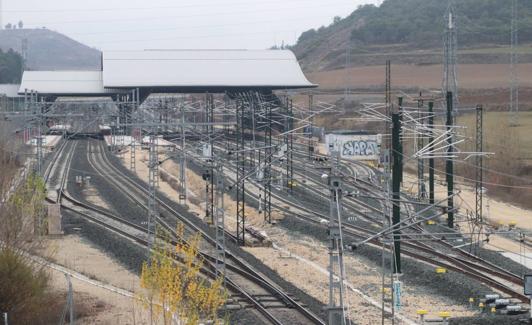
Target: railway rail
[(275, 305), (442, 254), (461, 261)]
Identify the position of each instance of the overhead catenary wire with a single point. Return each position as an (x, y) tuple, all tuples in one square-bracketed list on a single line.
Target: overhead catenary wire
[(122, 9), (162, 17)]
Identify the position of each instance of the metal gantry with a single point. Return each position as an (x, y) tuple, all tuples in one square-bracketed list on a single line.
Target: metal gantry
[(182, 159), (479, 179), (421, 190), (153, 166), (431, 149), (267, 165), (336, 308), (450, 80), (311, 126), (135, 136), (397, 178), (240, 173), (449, 164), (514, 82), (289, 142), (387, 118), (219, 222), (208, 154)]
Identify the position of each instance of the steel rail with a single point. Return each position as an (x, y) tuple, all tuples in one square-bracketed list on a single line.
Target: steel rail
[(284, 296)]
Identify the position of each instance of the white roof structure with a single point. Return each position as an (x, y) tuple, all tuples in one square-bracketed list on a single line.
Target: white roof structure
[(9, 90), (163, 71), (64, 82), (274, 69)]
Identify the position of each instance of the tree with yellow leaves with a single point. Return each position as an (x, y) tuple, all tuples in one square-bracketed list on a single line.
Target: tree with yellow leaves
[(176, 290)]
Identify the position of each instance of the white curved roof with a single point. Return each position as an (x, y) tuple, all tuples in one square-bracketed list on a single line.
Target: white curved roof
[(64, 82), (275, 69), (175, 71), (9, 90)]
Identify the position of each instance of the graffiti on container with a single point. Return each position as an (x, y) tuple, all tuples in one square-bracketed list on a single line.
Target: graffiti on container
[(359, 148), (355, 147)]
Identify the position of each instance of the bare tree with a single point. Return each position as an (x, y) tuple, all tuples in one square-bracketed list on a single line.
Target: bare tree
[(23, 281)]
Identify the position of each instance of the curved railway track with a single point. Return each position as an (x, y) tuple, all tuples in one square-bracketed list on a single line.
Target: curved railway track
[(275, 305), (441, 254)]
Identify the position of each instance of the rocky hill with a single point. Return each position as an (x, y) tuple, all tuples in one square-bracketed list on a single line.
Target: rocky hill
[(411, 32), (49, 50)]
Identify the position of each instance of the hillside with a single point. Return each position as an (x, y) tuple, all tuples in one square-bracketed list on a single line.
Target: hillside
[(49, 50), (411, 32)]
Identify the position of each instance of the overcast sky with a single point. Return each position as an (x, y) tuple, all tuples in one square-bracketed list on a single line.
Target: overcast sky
[(136, 24)]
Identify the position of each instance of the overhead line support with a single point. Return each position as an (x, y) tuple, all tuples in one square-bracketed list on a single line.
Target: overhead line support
[(431, 149), (449, 166), (397, 174)]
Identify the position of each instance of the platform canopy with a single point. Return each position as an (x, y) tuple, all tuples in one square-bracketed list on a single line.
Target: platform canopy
[(203, 69), (65, 83), (173, 71), (9, 90)]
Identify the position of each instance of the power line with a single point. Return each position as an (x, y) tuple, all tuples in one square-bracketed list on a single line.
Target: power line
[(514, 83), (159, 17), (207, 36), (441, 172), (122, 9), (198, 26)]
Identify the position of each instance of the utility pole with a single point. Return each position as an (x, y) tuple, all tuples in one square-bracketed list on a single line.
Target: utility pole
[(69, 307), (514, 86), (347, 74), (220, 223), (289, 142), (267, 200), (421, 190), (153, 165), (431, 152), (240, 174), (40, 136), (479, 148), (397, 175), (290, 153), (208, 155), (136, 104), (336, 308), (311, 125), (400, 144), (253, 111), (70, 300), (449, 162), (450, 80), (31, 101), (183, 161), (388, 112)]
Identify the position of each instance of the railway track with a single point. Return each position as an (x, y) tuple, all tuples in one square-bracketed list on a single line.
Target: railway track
[(440, 254), (461, 260), (271, 302)]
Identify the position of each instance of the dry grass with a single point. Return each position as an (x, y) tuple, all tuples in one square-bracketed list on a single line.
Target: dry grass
[(507, 171), (472, 76)]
